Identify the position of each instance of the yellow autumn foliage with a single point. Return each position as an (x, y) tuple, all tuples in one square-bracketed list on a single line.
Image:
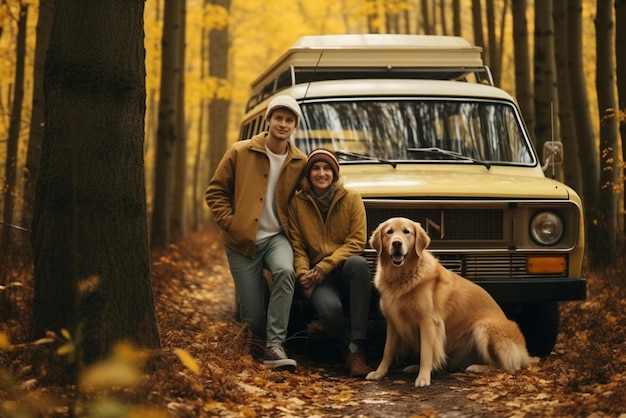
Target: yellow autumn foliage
[(187, 360), (5, 342)]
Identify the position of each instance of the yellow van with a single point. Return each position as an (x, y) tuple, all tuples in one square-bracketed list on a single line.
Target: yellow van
[(421, 132)]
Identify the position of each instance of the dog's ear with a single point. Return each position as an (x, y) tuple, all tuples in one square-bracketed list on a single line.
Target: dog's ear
[(422, 240), (375, 239)]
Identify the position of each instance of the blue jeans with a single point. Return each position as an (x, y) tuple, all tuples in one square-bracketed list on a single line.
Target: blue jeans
[(269, 322), (349, 288)]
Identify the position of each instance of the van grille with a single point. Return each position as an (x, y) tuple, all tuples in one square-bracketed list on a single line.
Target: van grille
[(481, 266), (458, 224)]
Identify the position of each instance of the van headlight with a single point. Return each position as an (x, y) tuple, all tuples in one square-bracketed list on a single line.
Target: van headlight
[(546, 228)]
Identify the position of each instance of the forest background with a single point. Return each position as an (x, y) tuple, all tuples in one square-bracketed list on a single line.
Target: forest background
[(201, 57), (111, 159)]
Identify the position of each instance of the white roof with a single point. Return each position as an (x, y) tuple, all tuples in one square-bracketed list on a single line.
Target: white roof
[(376, 50), (383, 41)]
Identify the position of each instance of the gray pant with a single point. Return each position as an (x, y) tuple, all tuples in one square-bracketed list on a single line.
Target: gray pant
[(349, 286), (276, 255)]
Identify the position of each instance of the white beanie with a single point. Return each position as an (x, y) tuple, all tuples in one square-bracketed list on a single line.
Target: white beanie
[(284, 102)]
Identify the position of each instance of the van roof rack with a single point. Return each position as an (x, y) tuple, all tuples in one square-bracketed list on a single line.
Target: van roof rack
[(371, 56)]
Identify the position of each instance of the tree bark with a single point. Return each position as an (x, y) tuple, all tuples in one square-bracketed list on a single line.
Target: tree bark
[(477, 25), (456, 18), (572, 175), (91, 259), (605, 252), (427, 26), (546, 100), (8, 235), (492, 45), (219, 103), (35, 137), (521, 50), (585, 135), (443, 12), (620, 57), (178, 223), (160, 234)]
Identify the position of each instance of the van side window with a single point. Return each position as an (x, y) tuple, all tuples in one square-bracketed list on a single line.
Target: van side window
[(244, 131), (260, 124), (252, 127), (284, 80)]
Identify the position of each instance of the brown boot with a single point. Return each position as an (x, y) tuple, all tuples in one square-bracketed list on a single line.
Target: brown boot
[(355, 362)]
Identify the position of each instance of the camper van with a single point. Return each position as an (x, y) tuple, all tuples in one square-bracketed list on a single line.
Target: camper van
[(421, 132)]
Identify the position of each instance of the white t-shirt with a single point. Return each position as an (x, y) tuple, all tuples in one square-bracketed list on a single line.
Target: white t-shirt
[(269, 224)]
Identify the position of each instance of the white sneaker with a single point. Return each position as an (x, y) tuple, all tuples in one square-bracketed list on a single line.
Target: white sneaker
[(276, 358)]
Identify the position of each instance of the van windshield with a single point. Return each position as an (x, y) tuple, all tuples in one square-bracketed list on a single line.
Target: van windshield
[(409, 130)]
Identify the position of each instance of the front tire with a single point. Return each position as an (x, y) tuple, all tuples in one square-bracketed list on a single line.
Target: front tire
[(540, 325)]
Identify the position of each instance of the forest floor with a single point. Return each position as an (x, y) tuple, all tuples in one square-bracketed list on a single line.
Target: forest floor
[(203, 368)]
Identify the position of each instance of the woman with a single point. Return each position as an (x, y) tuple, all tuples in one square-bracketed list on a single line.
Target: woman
[(328, 230)]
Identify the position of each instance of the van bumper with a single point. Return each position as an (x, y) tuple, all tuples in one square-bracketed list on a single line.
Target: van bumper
[(531, 290)]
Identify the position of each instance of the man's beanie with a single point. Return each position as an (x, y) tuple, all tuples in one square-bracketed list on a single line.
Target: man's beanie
[(326, 156), (284, 102)]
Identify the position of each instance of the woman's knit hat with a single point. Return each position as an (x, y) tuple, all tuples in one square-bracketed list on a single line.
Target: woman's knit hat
[(284, 102), (326, 156)]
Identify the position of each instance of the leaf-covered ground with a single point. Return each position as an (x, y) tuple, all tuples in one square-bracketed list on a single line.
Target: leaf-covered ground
[(203, 370)]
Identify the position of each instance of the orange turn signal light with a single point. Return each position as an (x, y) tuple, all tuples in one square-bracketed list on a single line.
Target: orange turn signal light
[(545, 265)]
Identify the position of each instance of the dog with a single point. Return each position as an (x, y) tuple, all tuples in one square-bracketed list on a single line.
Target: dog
[(450, 321)]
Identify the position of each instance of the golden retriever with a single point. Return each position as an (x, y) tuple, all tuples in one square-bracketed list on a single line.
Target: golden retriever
[(449, 320)]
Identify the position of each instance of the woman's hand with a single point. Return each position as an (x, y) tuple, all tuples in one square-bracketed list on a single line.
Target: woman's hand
[(309, 281)]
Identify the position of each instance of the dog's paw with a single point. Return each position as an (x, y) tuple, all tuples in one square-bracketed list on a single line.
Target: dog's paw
[(478, 368), (421, 382), (413, 368), (375, 375)]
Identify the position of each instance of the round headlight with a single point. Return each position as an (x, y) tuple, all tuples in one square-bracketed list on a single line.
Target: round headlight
[(546, 228)]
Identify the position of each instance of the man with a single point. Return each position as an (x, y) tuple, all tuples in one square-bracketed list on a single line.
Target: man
[(248, 196)]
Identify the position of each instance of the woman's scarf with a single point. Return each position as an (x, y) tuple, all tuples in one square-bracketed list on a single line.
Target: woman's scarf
[(323, 201)]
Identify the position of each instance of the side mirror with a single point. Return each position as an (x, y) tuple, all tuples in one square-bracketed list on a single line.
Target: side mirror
[(552, 154)]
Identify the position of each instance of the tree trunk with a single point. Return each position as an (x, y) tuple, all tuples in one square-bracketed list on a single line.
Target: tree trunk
[(571, 165), (501, 43), (456, 18), (178, 224), (546, 100), (492, 44), (8, 235), (443, 12), (91, 259), (220, 103), (35, 137), (521, 50), (605, 252), (587, 147), (426, 23), (620, 56), (166, 132), (477, 25)]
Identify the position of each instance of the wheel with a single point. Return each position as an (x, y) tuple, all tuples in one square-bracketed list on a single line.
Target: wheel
[(540, 325)]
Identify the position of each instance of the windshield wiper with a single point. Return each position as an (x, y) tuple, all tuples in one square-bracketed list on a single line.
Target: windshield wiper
[(360, 156), (453, 154)]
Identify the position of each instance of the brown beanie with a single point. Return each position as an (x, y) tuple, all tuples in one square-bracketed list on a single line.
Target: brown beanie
[(326, 156)]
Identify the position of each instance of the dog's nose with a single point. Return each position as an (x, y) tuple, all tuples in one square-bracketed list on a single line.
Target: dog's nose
[(396, 244)]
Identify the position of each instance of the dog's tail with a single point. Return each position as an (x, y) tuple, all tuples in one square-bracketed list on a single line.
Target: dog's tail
[(501, 343)]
